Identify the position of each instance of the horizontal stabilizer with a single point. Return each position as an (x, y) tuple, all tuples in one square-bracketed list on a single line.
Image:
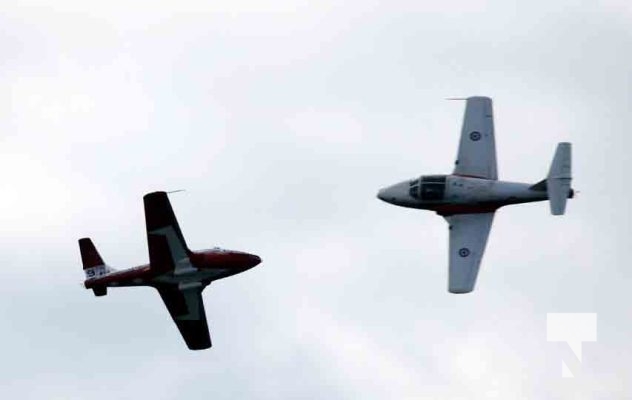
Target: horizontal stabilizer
[(558, 182)]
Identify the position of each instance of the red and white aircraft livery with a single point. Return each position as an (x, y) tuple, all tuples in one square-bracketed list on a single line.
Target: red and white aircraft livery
[(179, 274)]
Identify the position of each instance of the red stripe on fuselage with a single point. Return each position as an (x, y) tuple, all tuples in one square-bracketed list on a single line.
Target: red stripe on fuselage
[(450, 209)]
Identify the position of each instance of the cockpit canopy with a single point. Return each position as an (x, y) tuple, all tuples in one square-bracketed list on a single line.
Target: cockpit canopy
[(428, 187)]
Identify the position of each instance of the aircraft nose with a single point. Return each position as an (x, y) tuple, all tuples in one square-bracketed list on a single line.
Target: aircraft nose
[(253, 260), (380, 194), (386, 194), (397, 194)]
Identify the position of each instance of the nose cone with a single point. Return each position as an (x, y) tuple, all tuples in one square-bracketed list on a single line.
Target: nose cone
[(254, 260), (388, 194), (244, 261), (382, 195), (391, 194), (397, 194)]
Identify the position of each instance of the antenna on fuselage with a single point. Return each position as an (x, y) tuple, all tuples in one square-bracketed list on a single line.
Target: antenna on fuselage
[(176, 191), (456, 98)]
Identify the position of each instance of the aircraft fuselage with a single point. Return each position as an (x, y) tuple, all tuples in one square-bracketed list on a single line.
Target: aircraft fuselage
[(200, 266), (457, 194)]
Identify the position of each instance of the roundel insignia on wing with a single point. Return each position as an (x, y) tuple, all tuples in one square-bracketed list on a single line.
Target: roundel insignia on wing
[(475, 136), (464, 252)]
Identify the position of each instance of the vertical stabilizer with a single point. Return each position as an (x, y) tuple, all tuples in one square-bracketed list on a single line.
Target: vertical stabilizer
[(93, 264), (558, 182)]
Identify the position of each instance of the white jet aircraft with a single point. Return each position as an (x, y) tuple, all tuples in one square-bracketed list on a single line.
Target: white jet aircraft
[(469, 197)]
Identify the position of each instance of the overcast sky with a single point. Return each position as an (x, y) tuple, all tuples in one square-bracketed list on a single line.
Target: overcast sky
[(282, 119)]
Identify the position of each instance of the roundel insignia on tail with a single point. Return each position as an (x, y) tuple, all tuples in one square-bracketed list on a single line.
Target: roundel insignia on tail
[(464, 252)]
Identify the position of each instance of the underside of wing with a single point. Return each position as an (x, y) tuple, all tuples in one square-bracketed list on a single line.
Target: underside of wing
[(477, 147), (164, 238), (468, 237), (187, 310)]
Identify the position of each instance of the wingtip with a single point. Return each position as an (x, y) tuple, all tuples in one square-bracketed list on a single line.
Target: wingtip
[(460, 291), (161, 193), (157, 193), (200, 347), (469, 98)]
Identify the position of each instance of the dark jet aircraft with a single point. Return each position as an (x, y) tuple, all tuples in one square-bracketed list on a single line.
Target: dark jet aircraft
[(179, 274), (468, 198)]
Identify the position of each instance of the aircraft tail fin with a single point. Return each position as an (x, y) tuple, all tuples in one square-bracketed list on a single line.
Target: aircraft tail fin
[(90, 256), (558, 181), (93, 264)]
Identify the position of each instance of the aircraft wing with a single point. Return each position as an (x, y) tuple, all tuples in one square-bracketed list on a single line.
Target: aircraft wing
[(468, 237), (186, 307), (477, 148), (167, 249)]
